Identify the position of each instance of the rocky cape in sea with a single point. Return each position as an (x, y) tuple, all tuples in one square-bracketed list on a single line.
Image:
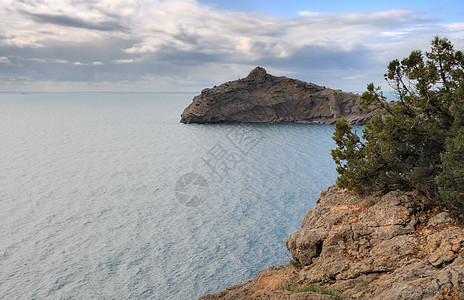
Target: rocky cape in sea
[(261, 97), (397, 246)]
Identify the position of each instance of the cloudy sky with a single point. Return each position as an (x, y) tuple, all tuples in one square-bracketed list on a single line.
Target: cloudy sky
[(186, 45)]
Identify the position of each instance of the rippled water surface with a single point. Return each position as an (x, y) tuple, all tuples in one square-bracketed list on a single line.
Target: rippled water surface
[(109, 196)]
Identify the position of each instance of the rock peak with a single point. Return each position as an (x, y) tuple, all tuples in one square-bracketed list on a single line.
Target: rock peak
[(258, 75), (257, 71)]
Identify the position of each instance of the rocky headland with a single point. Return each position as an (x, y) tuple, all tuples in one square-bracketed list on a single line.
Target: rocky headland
[(261, 97), (397, 246)]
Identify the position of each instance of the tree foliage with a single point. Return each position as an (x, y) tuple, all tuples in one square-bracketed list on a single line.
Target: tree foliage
[(416, 142)]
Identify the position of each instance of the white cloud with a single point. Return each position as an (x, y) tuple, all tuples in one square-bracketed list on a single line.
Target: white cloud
[(49, 60), (4, 60), (456, 26), (181, 39), (354, 77), (392, 33), (124, 61), (308, 13)]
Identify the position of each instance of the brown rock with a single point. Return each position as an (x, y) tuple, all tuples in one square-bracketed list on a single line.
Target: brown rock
[(440, 219), (261, 97), (267, 284), (401, 247)]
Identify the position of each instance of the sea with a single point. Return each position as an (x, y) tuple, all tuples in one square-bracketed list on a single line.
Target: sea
[(108, 196)]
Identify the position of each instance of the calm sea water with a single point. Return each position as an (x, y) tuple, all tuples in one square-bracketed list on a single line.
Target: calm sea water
[(108, 196)]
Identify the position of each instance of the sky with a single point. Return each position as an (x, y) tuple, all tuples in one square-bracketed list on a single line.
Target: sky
[(187, 45)]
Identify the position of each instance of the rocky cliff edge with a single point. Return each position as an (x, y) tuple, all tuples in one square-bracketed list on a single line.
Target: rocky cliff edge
[(261, 97), (398, 246)]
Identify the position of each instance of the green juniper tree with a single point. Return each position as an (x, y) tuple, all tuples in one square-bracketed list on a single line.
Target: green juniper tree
[(416, 142), (451, 179)]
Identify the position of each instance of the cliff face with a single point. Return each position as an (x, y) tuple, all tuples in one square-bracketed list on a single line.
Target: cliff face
[(399, 246), (261, 97)]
